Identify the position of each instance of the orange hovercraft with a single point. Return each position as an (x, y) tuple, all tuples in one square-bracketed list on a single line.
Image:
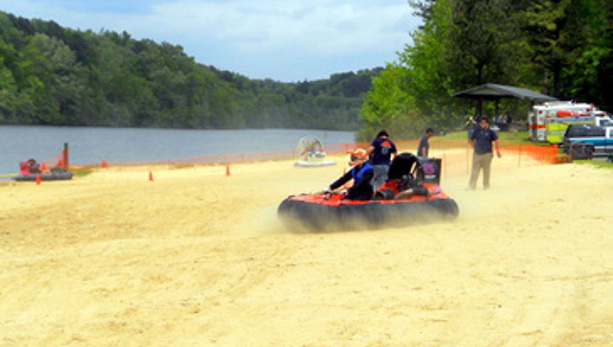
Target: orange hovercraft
[(411, 195)]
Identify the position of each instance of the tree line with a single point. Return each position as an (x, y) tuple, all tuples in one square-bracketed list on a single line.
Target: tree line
[(51, 75), (562, 48)]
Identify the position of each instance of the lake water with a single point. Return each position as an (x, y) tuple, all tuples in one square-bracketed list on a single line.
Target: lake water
[(90, 145)]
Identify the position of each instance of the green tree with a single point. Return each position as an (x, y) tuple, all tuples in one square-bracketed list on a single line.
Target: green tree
[(590, 51), (481, 41), (389, 105), (8, 92)]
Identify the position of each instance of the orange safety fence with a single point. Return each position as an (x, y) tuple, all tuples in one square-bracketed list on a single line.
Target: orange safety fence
[(60, 160), (544, 154), (231, 158), (456, 155)]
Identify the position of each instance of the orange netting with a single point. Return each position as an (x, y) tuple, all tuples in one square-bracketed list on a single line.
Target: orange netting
[(60, 160), (231, 158), (456, 155)]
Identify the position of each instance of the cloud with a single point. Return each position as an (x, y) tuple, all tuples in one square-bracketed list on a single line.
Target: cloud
[(283, 40), (327, 27)]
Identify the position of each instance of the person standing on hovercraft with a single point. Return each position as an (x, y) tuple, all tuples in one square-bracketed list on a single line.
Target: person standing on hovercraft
[(382, 149), (361, 173)]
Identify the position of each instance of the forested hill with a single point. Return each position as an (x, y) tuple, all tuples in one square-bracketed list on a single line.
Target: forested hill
[(53, 75)]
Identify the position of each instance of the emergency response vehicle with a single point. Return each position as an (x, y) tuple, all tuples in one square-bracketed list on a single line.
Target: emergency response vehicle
[(548, 122)]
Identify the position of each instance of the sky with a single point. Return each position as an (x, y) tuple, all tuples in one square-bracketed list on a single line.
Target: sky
[(284, 40)]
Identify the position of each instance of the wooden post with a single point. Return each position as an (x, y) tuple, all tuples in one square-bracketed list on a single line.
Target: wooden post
[(444, 164), (65, 153)]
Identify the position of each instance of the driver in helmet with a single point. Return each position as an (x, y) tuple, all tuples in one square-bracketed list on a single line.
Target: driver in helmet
[(361, 173)]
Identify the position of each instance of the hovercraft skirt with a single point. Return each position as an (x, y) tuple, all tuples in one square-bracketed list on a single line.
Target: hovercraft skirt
[(48, 176), (372, 214)]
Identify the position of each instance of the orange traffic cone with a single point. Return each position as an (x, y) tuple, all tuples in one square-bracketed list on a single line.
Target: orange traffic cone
[(38, 180), (150, 176), (227, 170)]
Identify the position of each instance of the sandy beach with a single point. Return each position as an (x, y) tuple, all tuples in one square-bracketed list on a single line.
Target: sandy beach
[(198, 258)]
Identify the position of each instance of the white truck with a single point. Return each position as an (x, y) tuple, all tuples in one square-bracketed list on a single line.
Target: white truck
[(548, 122)]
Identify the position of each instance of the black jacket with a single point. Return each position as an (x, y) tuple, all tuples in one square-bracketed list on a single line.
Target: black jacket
[(362, 176)]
